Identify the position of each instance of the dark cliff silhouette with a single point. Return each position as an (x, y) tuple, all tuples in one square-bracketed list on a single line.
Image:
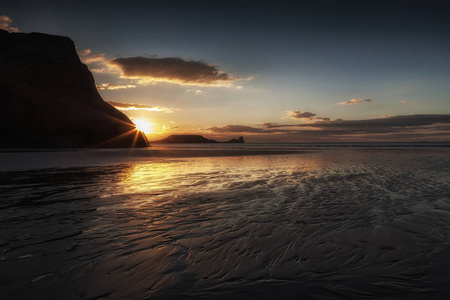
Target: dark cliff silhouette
[(48, 98), (189, 139), (239, 140)]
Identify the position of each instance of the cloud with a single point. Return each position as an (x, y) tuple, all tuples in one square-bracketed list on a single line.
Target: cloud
[(109, 86), (142, 71), (172, 70), (355, 101), (5, 24), (323, 119), (84, 52), (403, 102), (392, 123), (98, 63), (296, 114), (410, 127), (133, 106), (236, 128), (89, 58), (269, 125), (197, 92)]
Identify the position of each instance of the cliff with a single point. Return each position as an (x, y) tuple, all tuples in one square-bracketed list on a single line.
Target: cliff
[(48, 98), (190, 139)]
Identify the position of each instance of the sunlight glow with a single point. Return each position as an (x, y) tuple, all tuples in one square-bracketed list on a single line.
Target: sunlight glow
[(144, 126)]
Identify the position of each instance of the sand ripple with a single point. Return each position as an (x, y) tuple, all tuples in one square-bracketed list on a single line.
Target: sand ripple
[(359, 224)]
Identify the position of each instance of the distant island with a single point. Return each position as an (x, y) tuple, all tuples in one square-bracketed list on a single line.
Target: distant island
[(190, 139), (48, 98)]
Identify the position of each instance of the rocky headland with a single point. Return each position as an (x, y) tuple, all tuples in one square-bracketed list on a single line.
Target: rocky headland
[(190, 139), (48, 98)]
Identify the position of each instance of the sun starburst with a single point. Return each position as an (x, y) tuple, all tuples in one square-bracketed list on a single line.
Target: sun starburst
[(144, 125)]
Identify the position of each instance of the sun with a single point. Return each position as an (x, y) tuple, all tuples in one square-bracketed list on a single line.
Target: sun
[(143, 125)]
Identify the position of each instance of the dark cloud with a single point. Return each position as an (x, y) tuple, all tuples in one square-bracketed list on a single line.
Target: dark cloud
[(296, 114), (172, 69), (238, 129), (355, 101), (406, 126), (391, 122), (443, 127), (269, 125), (323, 119)]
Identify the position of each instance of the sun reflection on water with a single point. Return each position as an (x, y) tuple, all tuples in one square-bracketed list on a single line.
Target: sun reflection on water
[(203, 174)]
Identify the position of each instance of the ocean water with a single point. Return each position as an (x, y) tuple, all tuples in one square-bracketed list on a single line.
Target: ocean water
[(335, 223)]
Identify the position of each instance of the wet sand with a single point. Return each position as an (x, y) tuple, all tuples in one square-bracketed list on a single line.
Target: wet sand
[(25, 159), (337, 224)]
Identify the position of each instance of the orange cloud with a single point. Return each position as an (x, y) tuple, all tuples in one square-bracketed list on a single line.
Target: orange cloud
[(84, 52), (5, 24), (98, 63), (134, 106), (109, 86)]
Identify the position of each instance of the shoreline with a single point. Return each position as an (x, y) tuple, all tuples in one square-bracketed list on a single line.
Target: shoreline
[(32, 159), (246, 146), (55, 159)]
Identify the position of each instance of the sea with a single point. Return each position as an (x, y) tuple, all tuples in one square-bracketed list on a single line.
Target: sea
[(227, 221)]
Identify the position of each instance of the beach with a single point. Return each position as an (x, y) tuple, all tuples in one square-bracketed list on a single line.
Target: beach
[(240, 222)]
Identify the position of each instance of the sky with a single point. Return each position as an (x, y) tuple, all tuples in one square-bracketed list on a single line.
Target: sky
[(271, 71)]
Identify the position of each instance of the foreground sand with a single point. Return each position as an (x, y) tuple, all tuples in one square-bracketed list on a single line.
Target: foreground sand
[(337, 224)]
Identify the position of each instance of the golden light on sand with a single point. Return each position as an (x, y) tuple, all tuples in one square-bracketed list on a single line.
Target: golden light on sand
[(144, 125)]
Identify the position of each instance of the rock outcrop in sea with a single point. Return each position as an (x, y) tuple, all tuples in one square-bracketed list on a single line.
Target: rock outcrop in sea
[(239, 140), (48, 98), (190, 139)]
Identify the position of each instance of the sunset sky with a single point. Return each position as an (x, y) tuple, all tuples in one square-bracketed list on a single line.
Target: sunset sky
[(271, 71)]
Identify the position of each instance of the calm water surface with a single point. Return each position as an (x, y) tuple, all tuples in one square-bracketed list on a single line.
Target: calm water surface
[(335, 224)]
